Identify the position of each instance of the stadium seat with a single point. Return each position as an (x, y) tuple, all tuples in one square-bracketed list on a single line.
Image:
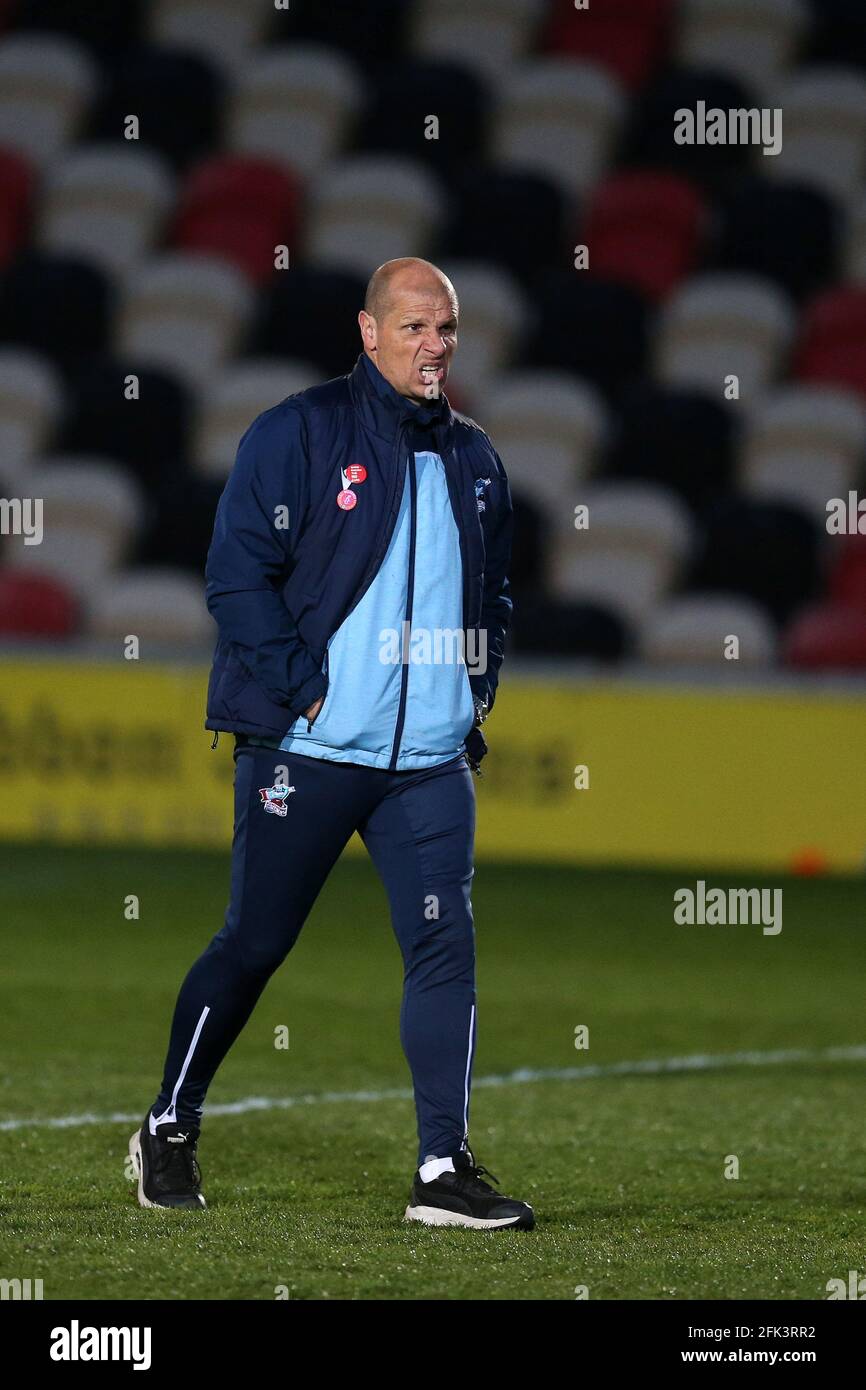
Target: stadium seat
[(105, 204), (45, 85), (34, 605), (184, 314), (584, 632), (56, 306), (148, 434), (827, 637), (179, 524), (804, 445), (16, 180), (847, 579), (528, 556), (239, 209), (692, 630), (159, 605), (31, 396), (824, 142), (855, 247), (784, 232), (105, 28), (294, 106), (648, 139), (311, 313), (753, 42), (723, 324), (644, 229), (489, 38), (559, 119), (494, 314), (592, 327), (400, 102), (177, 97), (527, 212), (546, 426), (370, 209), (832, 345), (633, 548), (234, 399), (681, 439), (372, 34), (628, 40), (766, 550), (222, 32), (838, 32), (94, 508)]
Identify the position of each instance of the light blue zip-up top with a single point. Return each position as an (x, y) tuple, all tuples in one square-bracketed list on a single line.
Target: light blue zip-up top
[(388, 695)]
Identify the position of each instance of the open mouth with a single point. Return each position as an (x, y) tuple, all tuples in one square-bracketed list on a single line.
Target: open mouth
[(429, 371)]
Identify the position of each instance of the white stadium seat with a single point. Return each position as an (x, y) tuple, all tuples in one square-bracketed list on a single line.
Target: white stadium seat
[(493, 316), (219, 31), (92, 509), (720, 325), (546, 426), (31, 396), (804, 445), (486, 37), (692, 629), (157, 605), (294, 106), (185, 314), (638, 536), (106, 204), (751, 40), (234, 399), (45, 84), (824, 131), (559, 119), (368, 210)]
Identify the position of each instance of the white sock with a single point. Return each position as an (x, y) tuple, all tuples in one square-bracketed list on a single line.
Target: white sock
[(434, 1166)]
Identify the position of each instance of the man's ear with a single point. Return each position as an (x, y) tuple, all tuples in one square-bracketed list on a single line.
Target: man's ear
[(367, 324)]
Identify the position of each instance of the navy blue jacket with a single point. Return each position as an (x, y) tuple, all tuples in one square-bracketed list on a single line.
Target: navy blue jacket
[(286, 564)]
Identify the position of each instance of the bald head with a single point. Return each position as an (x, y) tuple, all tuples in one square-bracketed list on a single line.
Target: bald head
[(409, 326), (403, 273)]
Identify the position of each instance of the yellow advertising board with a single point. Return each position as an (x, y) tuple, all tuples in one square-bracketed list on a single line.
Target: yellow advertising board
[(117, 752)]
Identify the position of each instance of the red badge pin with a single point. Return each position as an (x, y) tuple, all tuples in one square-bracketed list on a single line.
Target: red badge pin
[(346, 500), (356, 473)]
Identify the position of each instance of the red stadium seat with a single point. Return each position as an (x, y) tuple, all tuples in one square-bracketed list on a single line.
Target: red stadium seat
[(830, 636), (626, 38), (16, 180), (645, 229), (847, 584), (832, 344), (35, 605), (239, 208)]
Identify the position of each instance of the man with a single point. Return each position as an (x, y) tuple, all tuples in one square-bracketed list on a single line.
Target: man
[(359, 515)]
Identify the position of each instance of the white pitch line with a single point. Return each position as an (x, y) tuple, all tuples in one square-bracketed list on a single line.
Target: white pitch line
[(651, 1066)]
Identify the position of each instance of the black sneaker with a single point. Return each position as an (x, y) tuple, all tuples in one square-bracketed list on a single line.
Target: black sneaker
[(462, 1198), (166, 1167)]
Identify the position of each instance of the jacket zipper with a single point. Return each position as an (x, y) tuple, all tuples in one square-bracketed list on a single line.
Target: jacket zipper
[(407, 622)]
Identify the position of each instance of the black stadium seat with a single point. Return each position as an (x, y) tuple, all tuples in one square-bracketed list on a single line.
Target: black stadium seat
[(548, 627), (683, 439), (784, 231), (311, 314), (57, 305), (148, 435), (514, 219), (649, 140), (593, 327), (177, 97), (399, 104), (766, 550)]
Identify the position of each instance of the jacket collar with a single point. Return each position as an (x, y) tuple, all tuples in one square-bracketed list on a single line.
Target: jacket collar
[(383, 410)]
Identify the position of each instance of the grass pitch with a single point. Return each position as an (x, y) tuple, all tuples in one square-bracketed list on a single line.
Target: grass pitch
[(626, 1171)]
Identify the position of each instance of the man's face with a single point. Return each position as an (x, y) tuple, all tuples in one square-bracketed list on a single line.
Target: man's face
[(413, 340)]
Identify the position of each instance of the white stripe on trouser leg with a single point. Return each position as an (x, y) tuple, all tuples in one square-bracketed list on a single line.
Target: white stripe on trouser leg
[(168, 1116), (465, 1143)]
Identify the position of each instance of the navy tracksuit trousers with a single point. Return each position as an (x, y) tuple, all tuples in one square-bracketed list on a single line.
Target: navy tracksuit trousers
[(419, 829)]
